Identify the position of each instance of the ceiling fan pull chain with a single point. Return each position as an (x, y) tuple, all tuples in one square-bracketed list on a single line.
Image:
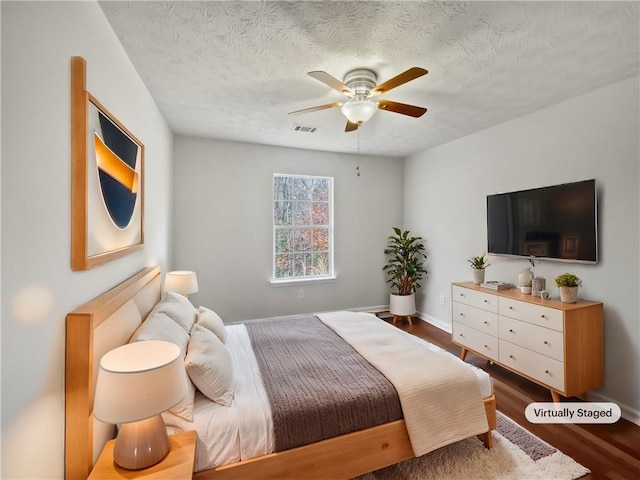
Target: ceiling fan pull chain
[(358, 154)]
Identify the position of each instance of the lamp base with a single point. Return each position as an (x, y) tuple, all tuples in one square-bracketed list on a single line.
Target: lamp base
[(141, 444)]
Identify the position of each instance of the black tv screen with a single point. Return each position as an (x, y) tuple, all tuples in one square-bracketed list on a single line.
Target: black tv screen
[(558, 222)]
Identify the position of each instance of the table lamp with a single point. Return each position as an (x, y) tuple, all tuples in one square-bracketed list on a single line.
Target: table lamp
[(136, 383), (181, 281)]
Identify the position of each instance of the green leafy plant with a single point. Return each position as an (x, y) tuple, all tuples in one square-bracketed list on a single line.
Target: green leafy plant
[(568, 280), (478, 263), (405, 266)]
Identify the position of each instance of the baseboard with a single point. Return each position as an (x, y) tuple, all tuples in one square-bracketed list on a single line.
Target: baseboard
[(434, 321), (628, 413)]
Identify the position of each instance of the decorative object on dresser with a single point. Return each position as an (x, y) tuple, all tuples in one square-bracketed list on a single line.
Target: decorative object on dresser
[(478, 264), (568, 285), (405, 269), (495, 285), (552, 343), (181, 281), (525, 279), (136, 383), (538, 284)]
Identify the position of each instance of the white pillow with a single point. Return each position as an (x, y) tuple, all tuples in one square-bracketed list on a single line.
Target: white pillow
[(178, 309), (211, 321), (158, 326), (209, 366)]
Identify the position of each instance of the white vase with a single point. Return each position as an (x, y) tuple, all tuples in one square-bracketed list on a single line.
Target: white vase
[(478, 276), (568, 294), (524, 280), (402, 305)]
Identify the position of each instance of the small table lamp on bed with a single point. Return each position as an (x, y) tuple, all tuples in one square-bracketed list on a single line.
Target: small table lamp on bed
[(181, 281), (136, 383)]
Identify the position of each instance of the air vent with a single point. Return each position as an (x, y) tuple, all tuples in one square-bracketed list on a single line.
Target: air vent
[(304, 129)]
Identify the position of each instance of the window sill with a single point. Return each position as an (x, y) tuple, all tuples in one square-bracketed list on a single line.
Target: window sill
[(301, 281)]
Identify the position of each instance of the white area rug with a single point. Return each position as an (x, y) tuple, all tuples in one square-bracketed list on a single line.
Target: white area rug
[(516, 455)]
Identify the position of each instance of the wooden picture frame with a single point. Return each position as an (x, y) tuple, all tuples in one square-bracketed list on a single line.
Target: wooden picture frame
[(107, 180)]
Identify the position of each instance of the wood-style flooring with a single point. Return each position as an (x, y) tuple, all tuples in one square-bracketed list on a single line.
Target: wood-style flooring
[(609, 451)]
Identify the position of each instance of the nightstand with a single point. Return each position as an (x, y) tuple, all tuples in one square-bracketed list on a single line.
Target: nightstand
[(178, 463)]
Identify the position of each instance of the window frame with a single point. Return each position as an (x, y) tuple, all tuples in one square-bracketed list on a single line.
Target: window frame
[(293, 280)]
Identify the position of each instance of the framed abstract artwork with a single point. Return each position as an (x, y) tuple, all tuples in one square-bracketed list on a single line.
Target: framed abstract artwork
[(107, 184)]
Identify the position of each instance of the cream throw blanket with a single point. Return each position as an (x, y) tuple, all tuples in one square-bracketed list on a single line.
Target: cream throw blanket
[(440, 396)]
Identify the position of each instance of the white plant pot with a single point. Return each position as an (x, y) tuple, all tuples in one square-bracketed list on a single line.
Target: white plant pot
[(568, 294), (478, 276), (402, 304)]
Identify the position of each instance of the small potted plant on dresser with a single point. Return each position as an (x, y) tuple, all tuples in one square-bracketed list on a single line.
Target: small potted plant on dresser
[(568, 285), (478, 264), (405, 270)]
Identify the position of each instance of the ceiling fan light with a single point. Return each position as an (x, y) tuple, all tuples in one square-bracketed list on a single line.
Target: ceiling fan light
[(358, 110)]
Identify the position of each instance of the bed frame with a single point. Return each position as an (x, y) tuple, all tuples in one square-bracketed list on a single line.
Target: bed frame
[(110, 319)]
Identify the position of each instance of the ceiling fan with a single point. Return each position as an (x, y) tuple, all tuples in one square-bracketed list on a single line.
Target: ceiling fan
[(360, 86)]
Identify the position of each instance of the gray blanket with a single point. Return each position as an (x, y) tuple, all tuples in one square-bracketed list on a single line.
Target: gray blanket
[(318, 386)]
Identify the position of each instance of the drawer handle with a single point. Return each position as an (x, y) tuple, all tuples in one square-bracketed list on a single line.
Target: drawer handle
[(547, 372), (462, 294), (486, 323), (546, 343), (511, 330), (511, 356), (462, 314), (543, 316), (486, 346), (486, 301), (461, 335), (510, 308)]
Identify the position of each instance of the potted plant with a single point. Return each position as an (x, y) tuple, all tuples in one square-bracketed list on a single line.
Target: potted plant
[(405, 269), (568, 285), (478, 264)]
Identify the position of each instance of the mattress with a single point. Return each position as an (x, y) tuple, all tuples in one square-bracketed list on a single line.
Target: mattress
[(244, 429)]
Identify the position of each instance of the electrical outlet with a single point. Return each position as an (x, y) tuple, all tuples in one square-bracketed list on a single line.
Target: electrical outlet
[(442, 300), (301, 293)]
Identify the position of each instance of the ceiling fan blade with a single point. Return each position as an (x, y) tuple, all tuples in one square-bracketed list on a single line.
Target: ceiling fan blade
[(402, 108), (350, 126), (319, 107), (333, 82), (398, 80)]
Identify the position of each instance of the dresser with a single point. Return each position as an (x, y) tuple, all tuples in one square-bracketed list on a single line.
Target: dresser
[(557, 345)]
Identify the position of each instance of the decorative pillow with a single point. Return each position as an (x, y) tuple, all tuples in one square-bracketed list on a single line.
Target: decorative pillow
[(209, 366), (211, 321), (158, 326), (178, 309)]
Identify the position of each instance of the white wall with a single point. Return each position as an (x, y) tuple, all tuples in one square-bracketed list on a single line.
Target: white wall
[(38, 286), (591, 136), (223, 230)]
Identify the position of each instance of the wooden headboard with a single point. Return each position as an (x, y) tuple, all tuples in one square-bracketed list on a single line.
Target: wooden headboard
[(104, 323)]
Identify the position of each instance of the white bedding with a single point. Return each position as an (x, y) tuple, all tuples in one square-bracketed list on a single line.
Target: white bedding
[(245, 429)]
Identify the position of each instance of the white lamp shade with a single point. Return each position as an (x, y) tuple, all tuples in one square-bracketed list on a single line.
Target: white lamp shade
[(139, 380), (359, 109), (181, 281)]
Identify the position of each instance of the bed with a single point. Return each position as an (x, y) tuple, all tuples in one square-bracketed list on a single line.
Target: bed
[(111, 319)]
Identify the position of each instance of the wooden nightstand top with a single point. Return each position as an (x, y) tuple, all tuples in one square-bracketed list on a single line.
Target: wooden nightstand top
[(178, 463)]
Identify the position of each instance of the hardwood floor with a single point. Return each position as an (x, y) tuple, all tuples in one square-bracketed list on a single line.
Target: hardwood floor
[(609, 451)]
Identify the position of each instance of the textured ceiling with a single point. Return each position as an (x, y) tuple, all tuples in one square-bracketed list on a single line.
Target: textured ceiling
[(233, 70)]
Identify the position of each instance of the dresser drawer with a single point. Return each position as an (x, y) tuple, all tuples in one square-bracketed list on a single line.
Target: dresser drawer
[(539, 339), (539, 367), (475, 340), (485, 301), (473, 317), (528, 312)]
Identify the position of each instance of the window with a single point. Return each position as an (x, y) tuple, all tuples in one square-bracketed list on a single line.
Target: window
[(302, 227)]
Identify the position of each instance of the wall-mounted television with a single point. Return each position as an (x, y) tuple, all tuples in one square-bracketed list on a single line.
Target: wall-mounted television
[(557, 222)]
